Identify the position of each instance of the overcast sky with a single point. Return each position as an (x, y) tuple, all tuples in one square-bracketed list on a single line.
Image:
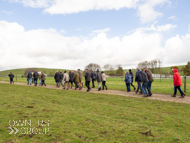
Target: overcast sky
[(70, 34)]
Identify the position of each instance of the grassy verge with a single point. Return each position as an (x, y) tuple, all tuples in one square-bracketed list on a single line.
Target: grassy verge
[(86, 117)]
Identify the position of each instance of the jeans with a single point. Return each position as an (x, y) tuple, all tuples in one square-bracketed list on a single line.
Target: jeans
[(11, 80), (40, 81), (30, 79), (43, 82), (128, 86), (144, 87), (35, 81), (99, 86), (175, 90), (139, 87), (149, 86)]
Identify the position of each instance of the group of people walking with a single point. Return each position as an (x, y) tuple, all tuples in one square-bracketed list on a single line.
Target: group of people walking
[(144, 81), (76, 78), (143, 78)]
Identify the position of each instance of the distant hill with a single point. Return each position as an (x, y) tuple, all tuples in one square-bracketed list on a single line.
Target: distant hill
[(21, 71)]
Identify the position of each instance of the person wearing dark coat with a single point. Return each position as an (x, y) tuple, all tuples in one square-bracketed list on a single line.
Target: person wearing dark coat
[(87, 80), (131, 73), (61, 78), (71, 75), (93, 77), (76, 79), (43, 78), (11, 77), (144, 83), (127, 81), (150, 78), (98, 79), (57, 78), (138, 79), (35, 75), (29, 77)]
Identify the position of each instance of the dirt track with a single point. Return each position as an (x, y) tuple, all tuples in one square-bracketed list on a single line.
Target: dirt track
[(161, 97)]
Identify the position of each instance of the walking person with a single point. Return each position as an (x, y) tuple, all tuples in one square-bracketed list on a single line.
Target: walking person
[(71, 74), (138, 79), (57, 79), (177, 83), (35, 75), (43, 78), (66, 80), (104, 81), (40, 77), (150, 79), (98, 79), (131, 73), (87, 80), (80, 81), (29, 77), (61, 78), (93, 77), (144, 83), (127, 81), (11, 76), (76, 79)]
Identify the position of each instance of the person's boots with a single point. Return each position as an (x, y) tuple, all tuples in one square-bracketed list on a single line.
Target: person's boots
[(106, 88), (173, 95), (134, 88), (149, 93), (99, 89)]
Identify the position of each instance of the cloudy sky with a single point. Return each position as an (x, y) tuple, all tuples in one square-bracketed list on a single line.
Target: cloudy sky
[(70, 34)]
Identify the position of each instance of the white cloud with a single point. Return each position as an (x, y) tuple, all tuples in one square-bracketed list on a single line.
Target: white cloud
[(7, 12), (172, 18), (160, 28), (146, 8), (102, 30), (48, 48)]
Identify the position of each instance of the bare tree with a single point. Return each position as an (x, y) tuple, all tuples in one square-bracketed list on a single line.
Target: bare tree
[(93, 67)]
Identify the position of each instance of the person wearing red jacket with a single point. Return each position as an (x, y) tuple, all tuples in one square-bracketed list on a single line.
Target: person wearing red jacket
[(177, 83)]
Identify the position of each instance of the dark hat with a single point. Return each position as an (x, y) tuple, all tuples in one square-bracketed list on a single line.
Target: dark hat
[(65, 71)]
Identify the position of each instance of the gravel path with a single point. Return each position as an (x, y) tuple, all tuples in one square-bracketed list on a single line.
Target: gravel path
[(161, 97)]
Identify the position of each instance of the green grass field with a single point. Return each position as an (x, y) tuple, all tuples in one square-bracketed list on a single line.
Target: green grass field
[(87, 117), (163, 87)]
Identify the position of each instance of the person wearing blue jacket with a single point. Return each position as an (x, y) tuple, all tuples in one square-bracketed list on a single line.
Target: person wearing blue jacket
[(138, 79), (127, 80)]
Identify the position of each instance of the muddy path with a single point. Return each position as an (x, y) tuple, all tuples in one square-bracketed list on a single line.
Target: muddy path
[(161, 97)]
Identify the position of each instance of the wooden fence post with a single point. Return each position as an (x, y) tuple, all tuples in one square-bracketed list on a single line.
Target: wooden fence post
[(185, 83)]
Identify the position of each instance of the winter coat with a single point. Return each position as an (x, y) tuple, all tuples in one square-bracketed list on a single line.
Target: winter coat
[(177, 78), (76, 77), (66, 77), (144, 77), (103, 77), (87, 76), (29, 75), (35, 75), (57, 77), (131, 73), (71, 76), (138, 77), (61, 75), (80, 74), (149, 74), (93, 75), (98, 76), (11, 76), (39, 75), (127, 78), (43, 77)]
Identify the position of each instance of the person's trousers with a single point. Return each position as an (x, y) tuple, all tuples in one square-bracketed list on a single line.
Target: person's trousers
[(104, 84), (77, 85), (11, 80), (40, 81), (175, 90), (139, 87), (93, 82), (128, 86), (61, 81), (66, 82), (80, 83), (144, 87), (88, 84), (149, 86), (99, 86), (30, 80), (35, 81), (43, 82)]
